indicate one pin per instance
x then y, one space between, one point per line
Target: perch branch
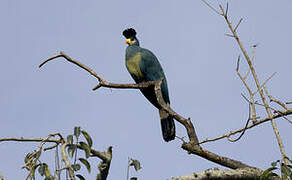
192 146
102 82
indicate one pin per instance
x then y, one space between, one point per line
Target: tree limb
238 174
192 146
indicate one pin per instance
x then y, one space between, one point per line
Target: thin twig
238 24
229 35
264 83
242 133
282 113
272 99
252 60
275 111
211 7
251 95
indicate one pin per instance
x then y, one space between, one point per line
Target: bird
144 66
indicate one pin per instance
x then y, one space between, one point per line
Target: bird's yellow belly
133 66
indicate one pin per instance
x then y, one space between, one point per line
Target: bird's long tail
167 125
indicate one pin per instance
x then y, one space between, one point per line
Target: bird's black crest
128 33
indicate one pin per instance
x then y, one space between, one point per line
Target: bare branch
279 140
280 114
252 59
226 11
272 99
229 35
29 140
264 83
238 24
249 118
224 161
211 7
102 82
251 95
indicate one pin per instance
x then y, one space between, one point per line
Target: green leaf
86 164
47 172
71 150
70 139
136 164
267 173
80 177
42 169
286 170
76 167
274 164
33 172
77 132
86 149
87 137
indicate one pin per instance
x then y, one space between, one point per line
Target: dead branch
272 99
278 115
193 145
238 174
255 77
251 95
102 82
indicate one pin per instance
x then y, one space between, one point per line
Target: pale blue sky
198 59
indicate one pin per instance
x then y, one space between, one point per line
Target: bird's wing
152 70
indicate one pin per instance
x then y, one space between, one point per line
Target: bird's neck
132 50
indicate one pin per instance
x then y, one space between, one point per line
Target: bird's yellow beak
128 41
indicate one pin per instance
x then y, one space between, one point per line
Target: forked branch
193 145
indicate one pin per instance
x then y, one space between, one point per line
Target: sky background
198 60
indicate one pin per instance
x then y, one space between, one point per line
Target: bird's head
130 35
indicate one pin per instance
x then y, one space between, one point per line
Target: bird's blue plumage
144 66
150 69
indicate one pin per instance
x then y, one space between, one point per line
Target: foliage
285 169
33 162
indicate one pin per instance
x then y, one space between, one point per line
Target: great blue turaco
144 66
